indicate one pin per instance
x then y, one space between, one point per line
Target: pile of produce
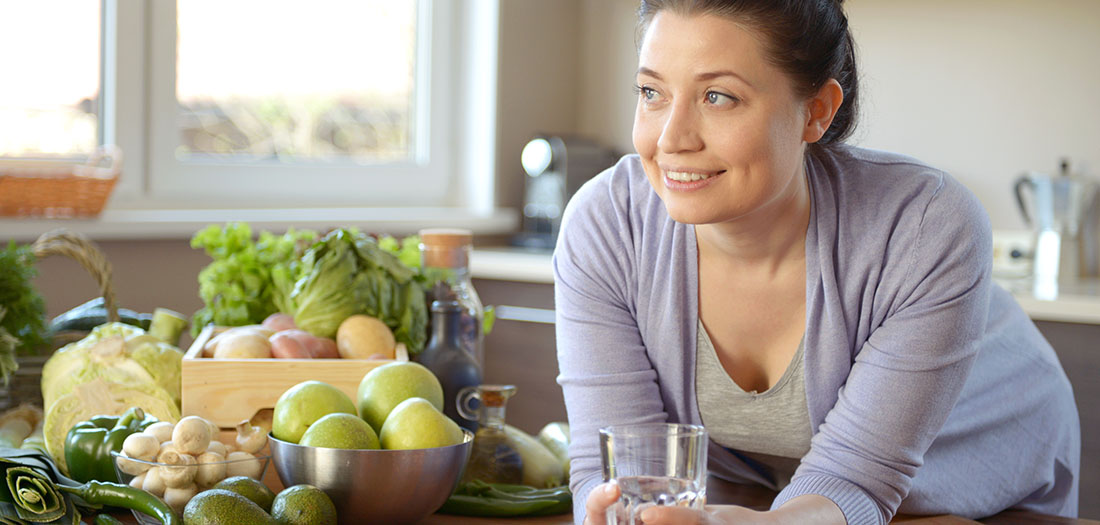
177 462
359 336
317 282
114 368
35 491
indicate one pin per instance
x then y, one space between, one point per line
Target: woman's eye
720 99
649 94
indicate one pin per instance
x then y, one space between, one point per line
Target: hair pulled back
809 40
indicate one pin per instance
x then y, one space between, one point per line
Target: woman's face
719 129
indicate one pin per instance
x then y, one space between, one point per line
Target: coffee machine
1065 215
556 167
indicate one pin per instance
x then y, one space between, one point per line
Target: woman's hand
713 515
601 497
606 495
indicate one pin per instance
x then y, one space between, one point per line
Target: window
265 104
49 99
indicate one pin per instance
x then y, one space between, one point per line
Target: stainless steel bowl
375 486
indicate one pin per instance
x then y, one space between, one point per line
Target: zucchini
541 468
92 314
555 436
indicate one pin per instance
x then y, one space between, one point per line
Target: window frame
455 171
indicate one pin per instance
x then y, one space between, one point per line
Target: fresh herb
407 249
237 286
22 310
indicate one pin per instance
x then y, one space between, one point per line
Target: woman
825 311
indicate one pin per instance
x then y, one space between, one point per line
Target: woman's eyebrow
709 75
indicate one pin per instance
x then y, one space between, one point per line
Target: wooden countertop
756 497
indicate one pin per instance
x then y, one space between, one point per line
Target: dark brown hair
807 39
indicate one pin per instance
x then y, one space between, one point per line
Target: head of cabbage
114 368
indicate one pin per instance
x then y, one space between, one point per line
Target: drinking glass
654 464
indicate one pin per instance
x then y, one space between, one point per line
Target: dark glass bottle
447 358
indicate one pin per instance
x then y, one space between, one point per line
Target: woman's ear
821 109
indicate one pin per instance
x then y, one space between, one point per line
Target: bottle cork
445 247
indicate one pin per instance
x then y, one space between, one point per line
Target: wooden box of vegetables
342 305
229 390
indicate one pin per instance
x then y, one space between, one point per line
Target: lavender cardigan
929 389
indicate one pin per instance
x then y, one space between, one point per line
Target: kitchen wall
984 89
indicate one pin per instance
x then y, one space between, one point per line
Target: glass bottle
446 357
493 458
444 259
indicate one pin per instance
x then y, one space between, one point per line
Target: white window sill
182 224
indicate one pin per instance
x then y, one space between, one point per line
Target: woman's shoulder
618 196
875 183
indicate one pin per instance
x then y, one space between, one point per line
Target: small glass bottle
445 258
493 458
446 357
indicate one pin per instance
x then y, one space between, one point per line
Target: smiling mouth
689 176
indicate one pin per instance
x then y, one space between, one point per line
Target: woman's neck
766 239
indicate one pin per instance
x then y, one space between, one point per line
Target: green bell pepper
88 444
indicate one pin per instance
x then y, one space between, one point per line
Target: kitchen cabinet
1078 348
523 353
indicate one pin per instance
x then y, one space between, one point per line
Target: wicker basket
25 384
59 189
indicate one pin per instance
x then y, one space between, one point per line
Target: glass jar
493 458
444 259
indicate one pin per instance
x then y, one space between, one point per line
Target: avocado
303 505
223 507
251 488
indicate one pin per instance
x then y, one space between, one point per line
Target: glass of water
654 464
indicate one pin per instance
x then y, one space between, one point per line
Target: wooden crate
227 391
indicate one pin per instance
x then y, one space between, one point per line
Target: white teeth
683 176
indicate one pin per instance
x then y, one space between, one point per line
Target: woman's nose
680 131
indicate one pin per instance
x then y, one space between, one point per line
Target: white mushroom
250 438
243 464
191 435
177 497
162 430
178 470
166 446
217 447
132 467
141 446
211 469
154 484
138 481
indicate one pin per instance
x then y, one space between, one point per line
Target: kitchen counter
1071 303
755 497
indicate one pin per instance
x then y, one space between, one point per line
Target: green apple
385 387
415 423
304 403
340 430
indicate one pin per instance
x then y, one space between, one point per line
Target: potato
326 349
279 322
288 344
243 345
211 346
361 336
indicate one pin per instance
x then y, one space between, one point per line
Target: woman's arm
605 374
809 508
908 374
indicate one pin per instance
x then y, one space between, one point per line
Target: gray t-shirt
771 429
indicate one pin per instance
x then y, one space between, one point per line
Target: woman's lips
689 180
